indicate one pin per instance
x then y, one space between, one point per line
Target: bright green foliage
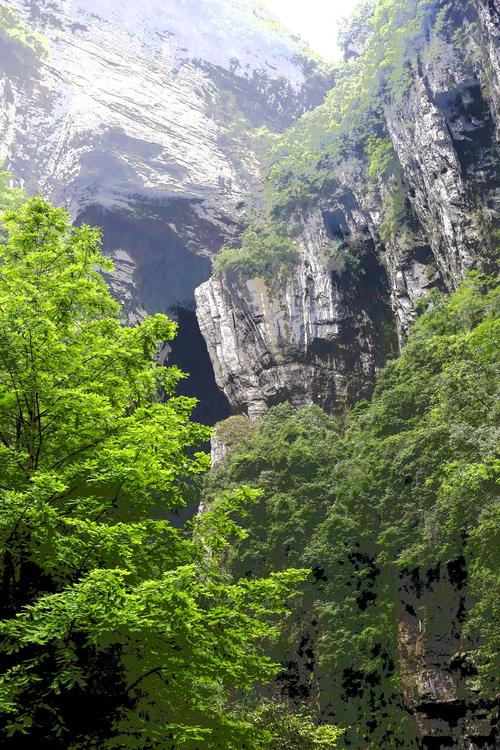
347 134
411 485
263 251
382 160
117 629
294 730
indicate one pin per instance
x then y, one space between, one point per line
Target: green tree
289 729
264 250
117 629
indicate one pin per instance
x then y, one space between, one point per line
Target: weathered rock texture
314 335
319 335
489 14
137 115
439 677
139 118
132 99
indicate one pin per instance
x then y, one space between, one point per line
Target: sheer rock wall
320 333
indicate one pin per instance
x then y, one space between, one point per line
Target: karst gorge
249 377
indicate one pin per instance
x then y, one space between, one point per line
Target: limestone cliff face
314 335
317 335
137 116
128 99
489 14
142 110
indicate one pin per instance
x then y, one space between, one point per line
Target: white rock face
140 116
123 105
489 14
139 119
309 336
442 200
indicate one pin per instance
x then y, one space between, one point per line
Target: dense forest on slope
396 514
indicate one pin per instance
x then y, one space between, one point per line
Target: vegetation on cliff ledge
346 139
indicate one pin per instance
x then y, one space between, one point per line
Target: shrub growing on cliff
116 629
263 251
15 29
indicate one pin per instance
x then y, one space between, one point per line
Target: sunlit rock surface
138 116
131 98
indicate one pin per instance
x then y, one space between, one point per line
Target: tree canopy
117 629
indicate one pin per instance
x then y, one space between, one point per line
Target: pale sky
315 20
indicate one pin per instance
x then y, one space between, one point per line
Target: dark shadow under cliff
156 272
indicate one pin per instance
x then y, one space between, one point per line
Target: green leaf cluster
263 250
14 28
289 729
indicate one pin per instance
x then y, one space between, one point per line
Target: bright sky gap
316 21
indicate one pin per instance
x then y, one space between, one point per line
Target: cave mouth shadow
164 275
190 354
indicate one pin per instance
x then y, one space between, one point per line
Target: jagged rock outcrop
313 335
489 15
444 138
138 116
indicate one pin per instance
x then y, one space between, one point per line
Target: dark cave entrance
164 279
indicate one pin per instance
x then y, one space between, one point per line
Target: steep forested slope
397 632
